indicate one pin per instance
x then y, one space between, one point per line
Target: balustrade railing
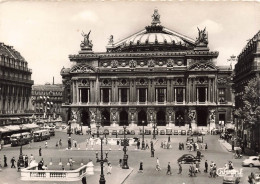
32 174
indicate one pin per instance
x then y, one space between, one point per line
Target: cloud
212 27
86 16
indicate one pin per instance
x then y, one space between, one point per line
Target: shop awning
3 129
31 125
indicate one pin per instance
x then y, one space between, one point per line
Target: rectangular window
161 94
179 94
222 94
105 95
201 94
123 94
142 94
84 95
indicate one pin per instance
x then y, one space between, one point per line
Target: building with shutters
153 76
15 87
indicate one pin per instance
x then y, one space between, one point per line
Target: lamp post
125 164
81 128
21 148
98 126
69 132
154 127
143 144
102 179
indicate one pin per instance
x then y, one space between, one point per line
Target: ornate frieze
160 81
132 63
142 81
82 68
114 64
151 63
170 62
105 82
123 82
83 82
202 80
202 66
222 81
179 81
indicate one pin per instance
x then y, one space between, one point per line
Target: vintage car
121 132
231 178
147 132
252 161
188 159
106 132
183 132
114 132
175 132
162 132
132 132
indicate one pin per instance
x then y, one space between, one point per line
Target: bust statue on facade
111 40
86 44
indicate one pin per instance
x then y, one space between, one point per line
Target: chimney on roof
53 80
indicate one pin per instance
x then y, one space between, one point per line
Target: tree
250 111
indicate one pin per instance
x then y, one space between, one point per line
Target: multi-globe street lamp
143 144
21 162
102 179
125 159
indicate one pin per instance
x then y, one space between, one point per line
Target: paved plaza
216 152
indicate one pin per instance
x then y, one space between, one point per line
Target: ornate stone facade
158 78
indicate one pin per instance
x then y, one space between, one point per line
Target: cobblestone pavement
216 153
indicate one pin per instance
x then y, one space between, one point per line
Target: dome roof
153 37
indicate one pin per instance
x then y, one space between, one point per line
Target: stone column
175 96
101 96
183 95
128 96
137 101
119 91
146 93
88 95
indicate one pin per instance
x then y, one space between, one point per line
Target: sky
46 33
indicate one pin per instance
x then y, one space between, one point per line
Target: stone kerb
32 174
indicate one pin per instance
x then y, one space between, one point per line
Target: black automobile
196 133
188 159
162 132
132 132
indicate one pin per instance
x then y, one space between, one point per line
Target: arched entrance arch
160 118
179 118
202 116
85 118
105 118
142 116
123 118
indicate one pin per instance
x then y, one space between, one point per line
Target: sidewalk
227 146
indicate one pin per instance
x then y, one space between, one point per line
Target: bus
51 130
41 135
20 138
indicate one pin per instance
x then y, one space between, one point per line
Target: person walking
84 180
26 161
169 170
197 167
109 168
5 161
152 152
158 168
40 151
206 166
46 144
146 145
141 169
12 162
180 168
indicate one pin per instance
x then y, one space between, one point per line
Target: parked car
127 132
179 132
183 132
188 159
231 178
156 132
147 132
189 132
168 131
132 132
121 132
106 132
141 132
162 132
175 132
252 161
114 132
196 133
